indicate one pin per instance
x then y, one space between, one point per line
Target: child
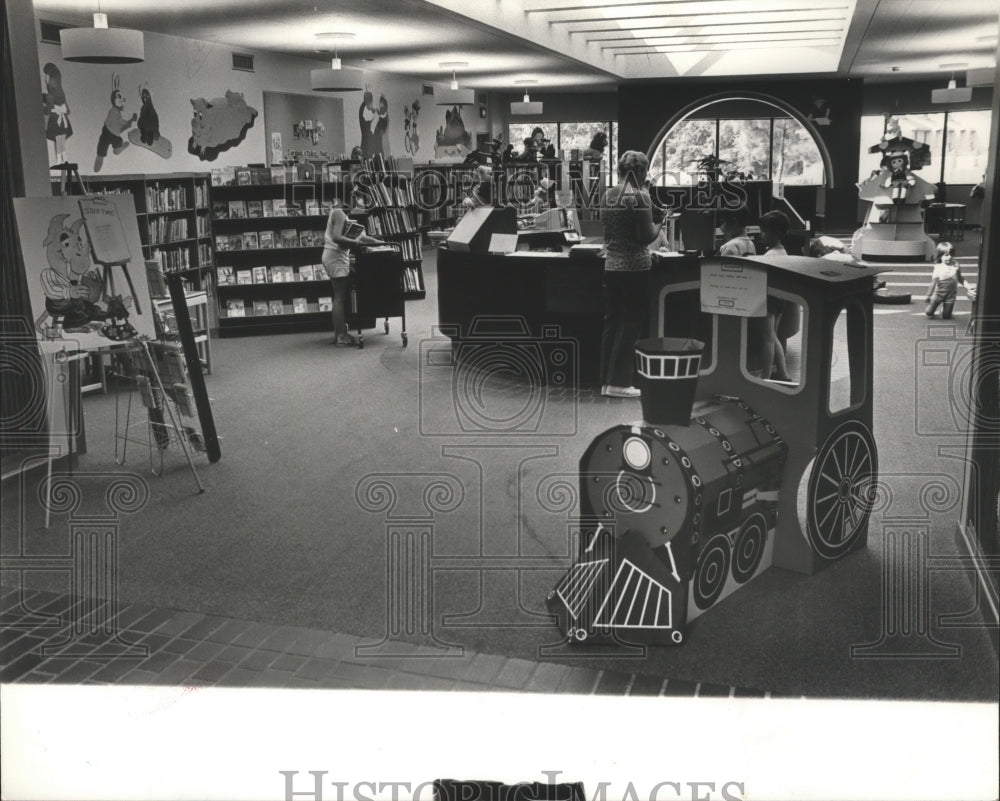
773 229
944 282
733 224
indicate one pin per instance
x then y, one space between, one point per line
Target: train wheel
839 489
712 571
749 548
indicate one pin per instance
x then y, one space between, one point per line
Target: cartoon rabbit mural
115 124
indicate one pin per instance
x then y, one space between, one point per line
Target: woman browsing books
340 236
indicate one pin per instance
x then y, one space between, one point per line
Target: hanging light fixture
336 77
453 96
953 93
101 44
526 106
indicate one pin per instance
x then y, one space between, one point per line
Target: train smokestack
668 377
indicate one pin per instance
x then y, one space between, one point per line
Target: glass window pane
872 128
773 347
578 135
676 157
968 146
745 144
797 160
929 129
517 132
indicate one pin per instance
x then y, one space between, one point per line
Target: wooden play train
708 491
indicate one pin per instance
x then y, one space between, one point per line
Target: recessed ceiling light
895 69
335 35
955 65
368 59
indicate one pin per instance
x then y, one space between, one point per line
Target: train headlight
636 452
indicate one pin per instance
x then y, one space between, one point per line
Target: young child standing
944 282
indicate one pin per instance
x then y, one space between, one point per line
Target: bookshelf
436 191
269 224
386 204
175 223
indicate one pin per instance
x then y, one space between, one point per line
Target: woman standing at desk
626 211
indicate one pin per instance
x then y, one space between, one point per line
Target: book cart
377 289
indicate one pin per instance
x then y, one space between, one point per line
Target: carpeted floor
332 457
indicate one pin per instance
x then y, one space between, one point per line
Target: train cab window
681 317
846 386
773 346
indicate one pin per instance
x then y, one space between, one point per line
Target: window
968 140
779 149
776 343
959 143
846 380
567 136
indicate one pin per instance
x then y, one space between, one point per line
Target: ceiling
584 44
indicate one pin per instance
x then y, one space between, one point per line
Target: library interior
561 347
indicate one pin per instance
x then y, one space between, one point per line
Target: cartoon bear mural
219 124
147 131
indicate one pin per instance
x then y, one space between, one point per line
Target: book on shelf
222 242
299 306
259 275
307 239
243 176
326 303
237 209
319 273
275 307
266 240
220 210
236 308
289 238
244 277
260 175
255 208
236 242
216 176
306 272
278 175
282 208
267 208
260 308
312 207
225 276
228 176
281 274
250 240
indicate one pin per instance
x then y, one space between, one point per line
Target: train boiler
730 471
681 505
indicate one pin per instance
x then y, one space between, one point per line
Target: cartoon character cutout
374 124
71 284
56 110
411 135
899 178
115 124
147 131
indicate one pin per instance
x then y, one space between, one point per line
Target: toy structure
894 229
728 473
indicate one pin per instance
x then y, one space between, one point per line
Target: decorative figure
57 125
819 114
71 284
115 125
219 124
895 228
597 145
452 140
147 131
411 136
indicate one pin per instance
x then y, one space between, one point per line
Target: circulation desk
528 294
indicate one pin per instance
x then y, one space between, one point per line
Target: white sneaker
621 392
345 339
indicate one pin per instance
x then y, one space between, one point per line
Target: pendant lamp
453 95
101 44
526 106
954 93
335 78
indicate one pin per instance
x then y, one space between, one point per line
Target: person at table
733 223
626 211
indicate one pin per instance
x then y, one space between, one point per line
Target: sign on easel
67 243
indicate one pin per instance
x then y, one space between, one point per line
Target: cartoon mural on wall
219 124
373 123
411 136
115 124
56 110
147 132
452 140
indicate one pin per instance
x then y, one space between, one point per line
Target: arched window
752 138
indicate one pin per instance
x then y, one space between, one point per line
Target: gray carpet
292 527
